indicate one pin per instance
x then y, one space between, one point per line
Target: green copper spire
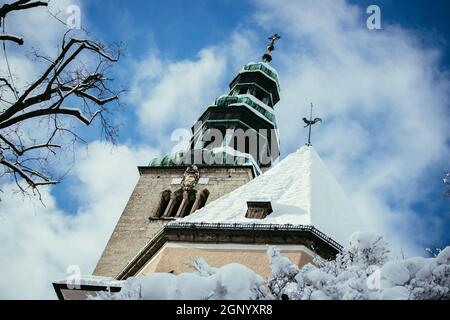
240 127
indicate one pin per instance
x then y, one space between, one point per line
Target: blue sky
384 97
179 29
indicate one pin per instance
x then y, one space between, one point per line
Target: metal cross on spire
310 123
267 57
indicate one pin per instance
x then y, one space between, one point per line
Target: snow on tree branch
16 6
11 37
39 122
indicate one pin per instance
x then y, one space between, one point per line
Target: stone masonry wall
134 229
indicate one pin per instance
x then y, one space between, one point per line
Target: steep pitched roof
302 191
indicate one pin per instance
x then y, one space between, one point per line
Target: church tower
233 141
222 199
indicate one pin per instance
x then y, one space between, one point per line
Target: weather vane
310 123
267 57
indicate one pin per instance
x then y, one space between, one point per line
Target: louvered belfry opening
163 203
180 203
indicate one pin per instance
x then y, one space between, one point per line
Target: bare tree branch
7 84
16 6
16 169
20 5
21 152
45 112
66 79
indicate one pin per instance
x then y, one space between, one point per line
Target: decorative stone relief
190 178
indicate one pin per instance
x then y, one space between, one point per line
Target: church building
226 198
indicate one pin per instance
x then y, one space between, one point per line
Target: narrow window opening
178 198
163 203
259 95
191 201
247 145
204 194
235 143
207 143
199 202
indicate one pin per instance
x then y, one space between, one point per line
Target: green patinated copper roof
178 159
227 100
164 161
222 156
264 68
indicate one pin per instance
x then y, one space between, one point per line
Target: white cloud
173 94
182 90
38 244
383 100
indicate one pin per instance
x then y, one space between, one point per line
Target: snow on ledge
90 280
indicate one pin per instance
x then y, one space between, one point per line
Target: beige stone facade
176 257
135 228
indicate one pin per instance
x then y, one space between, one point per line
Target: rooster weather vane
309 123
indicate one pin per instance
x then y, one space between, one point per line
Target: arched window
163 203
180 203
185 208
208 143
177 198
247 145
200 200
204 194
213 137
235 143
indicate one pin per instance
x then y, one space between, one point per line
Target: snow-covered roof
302 191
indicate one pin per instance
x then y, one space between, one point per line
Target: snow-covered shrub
362 271
367 249
429 278
346 277
283 274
